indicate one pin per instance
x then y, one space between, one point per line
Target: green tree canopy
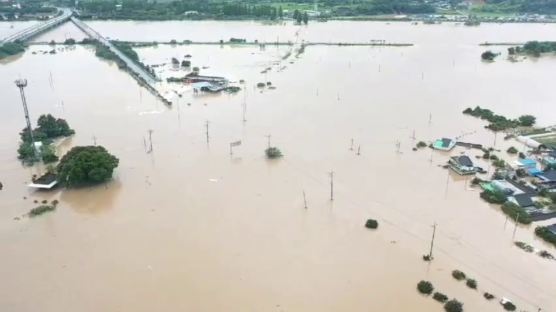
84 165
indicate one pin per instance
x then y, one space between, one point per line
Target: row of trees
535 48
499 122
521 6
145 10
11 48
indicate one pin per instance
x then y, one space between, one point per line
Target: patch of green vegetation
421 144
273 152
498 122
459 275
48 128
453 306
512 150
11 48
508 306
371 224
86 165
516 213
518 6
440 297
494 197
489 56
524 246
245 9
488 296
471 283
37 211
425 287
544 233
534 48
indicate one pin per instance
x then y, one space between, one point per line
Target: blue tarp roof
528 162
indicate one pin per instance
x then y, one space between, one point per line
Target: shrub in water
459 275
40 210
273 152
453 306
512 150
508 306
425 287
471 283
440 297
371 224
488 296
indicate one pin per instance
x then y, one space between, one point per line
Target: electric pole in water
151 140
432 240
21 84
268 136
331 173
207 131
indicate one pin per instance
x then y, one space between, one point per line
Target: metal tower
21 84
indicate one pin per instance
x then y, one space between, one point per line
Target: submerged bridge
38 29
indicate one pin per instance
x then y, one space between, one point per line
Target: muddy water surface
190 227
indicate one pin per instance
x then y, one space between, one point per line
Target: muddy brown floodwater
191 228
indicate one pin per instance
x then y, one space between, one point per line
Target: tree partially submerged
425 287
453 306
371 224
273 152
86 165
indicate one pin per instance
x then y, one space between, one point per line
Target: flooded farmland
191 227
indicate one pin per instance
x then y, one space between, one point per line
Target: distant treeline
231 9
535 48
9 11
520 6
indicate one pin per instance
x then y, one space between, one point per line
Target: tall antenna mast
21 84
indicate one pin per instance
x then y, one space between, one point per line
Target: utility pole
151 140
331 173
351 147
432 240
207 130
515 227
244 104
21 84
359 150
268 136
304 199
94 140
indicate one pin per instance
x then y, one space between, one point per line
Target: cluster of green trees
146 10
520 6
26 8
48 128
535 48
11 48
488 55
273 152
516 213
498 122
426 288
86 165
301 17
238 9
377 7
544 233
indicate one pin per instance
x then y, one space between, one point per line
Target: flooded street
190 227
